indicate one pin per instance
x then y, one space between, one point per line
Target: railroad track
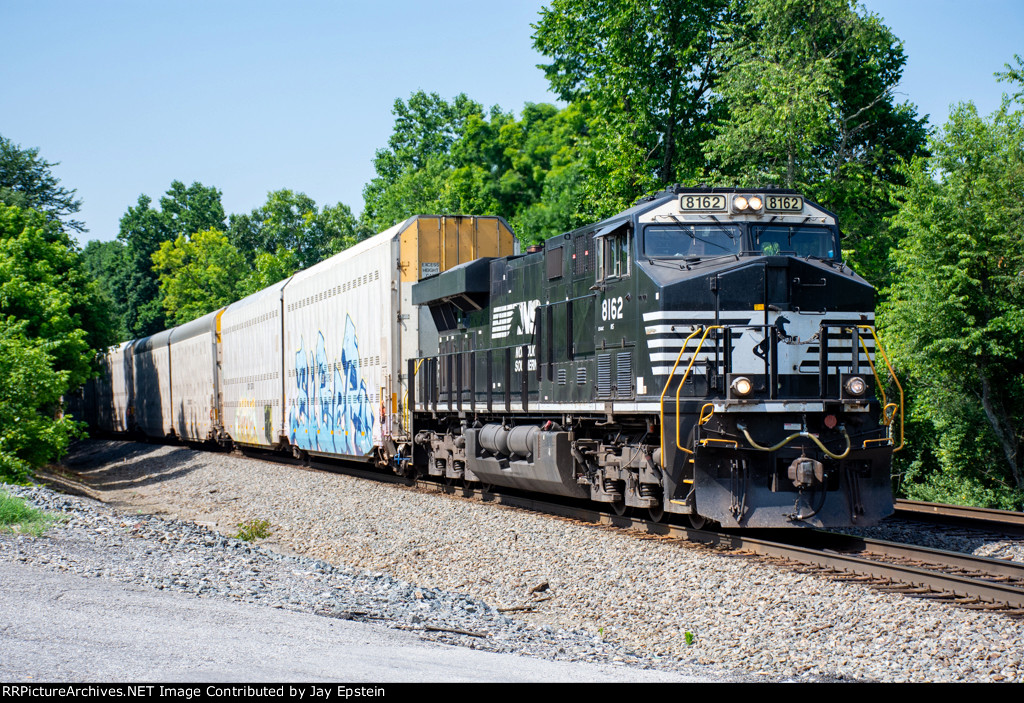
980 583
1005 522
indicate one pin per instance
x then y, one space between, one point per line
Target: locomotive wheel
619 506
697 522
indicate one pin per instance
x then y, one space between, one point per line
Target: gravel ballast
529 583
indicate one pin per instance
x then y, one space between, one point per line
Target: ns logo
512 320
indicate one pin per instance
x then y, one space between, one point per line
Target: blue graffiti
332 412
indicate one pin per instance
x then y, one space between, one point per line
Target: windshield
801 240
685 240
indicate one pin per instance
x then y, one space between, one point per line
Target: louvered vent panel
604 375
561 377
624 374
581 375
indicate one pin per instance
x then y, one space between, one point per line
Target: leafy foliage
32 427
45 291
411 171
52 320
177 262
486 164
183 211
26 182
956 311
291 221
104 262
198 274
807 89
268 270
1014 74
648 70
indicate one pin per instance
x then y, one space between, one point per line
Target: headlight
755 202
855 385
740 203
742 386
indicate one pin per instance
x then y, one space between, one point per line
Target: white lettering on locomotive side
612 308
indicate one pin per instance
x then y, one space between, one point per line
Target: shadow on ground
99 466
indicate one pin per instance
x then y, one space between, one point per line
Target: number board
703 203
784 203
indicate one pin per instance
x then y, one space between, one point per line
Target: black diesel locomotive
704 353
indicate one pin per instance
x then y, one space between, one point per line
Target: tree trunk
1002 427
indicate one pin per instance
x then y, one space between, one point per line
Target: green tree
412 170
53 320
104 261
807 90
26 181
956 309
33 430
183 211
198 274
1014 74
268 269
492 163
649 70
292 221
45 290
192 209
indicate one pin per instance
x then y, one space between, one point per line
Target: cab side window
614 254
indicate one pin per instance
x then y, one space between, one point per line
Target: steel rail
936 584
985 518
940 557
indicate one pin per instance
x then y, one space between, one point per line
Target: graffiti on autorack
333 411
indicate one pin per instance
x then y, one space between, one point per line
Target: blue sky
254 96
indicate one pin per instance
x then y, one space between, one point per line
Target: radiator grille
624 375
604 375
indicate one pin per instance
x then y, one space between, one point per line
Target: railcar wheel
619 506
656 512
697 522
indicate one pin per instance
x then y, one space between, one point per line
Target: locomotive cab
772 408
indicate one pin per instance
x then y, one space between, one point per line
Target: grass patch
252 530
19 517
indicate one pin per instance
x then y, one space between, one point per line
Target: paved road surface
56 626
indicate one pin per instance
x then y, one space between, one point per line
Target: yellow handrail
878 381
679 388
886 416
892 374
665 390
